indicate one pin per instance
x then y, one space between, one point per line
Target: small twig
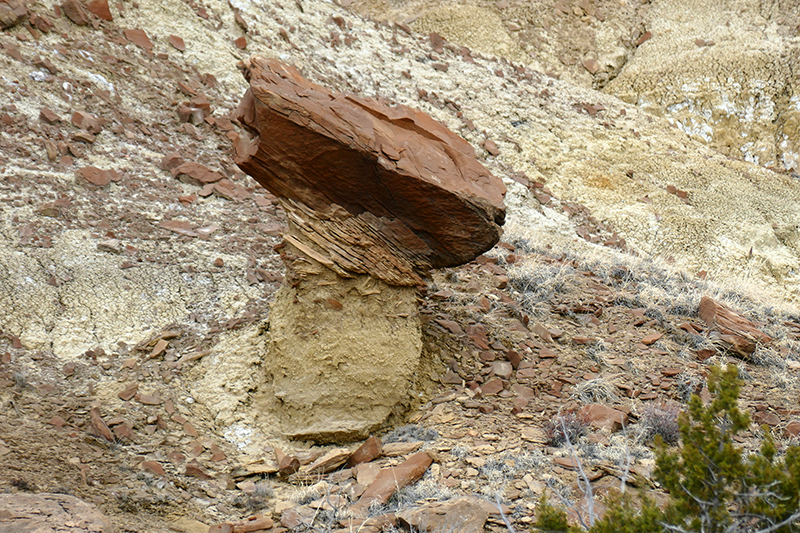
502 514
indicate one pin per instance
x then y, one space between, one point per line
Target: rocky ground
137 268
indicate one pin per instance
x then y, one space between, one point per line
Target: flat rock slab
369 188
462 515
46 513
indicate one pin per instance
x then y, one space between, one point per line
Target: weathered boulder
369 188
46 513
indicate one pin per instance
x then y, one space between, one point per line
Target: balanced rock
375 197
369 188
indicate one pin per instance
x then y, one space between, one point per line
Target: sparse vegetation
570 424
411 433
712 486
662 419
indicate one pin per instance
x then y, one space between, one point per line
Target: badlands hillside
650 150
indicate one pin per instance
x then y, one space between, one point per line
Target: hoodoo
376 196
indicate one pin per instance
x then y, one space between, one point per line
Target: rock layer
342 353
371 189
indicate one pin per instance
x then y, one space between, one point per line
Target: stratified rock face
43 513
370 189
342 353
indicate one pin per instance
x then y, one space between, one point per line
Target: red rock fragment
177 43
95 176
652 338
48 116
241 43
392 479
100 9
99 425
644 38
492 387
148 399
592 66
189 429
194 469
154 467
128 392
196 174
793 428
728 326
287 464
12 12
87 121
369 451
178 226
491 147
74 11
139 38
603 417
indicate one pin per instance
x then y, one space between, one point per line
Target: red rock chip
100 9
74 11
178 226
491 147
195 470
177 43
196 174
128 392
95 176
650 339
139 38
241 43
48 116
154 467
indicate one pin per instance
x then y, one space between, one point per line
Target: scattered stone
128 392
196 174
12 12
651 339
99 425
369 451
241 43
603 417
728 326
392 479
153 467
491 147
793 428
46 114
492 387
287 464
45 512
113 246
94 175
177 43
74 11
328 462
138 37
396 449
100 9
460 515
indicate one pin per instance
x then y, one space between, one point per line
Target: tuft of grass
595 391
662 419
411 433
575 424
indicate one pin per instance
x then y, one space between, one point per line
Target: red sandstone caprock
369 188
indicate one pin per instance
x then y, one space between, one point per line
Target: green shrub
712 486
